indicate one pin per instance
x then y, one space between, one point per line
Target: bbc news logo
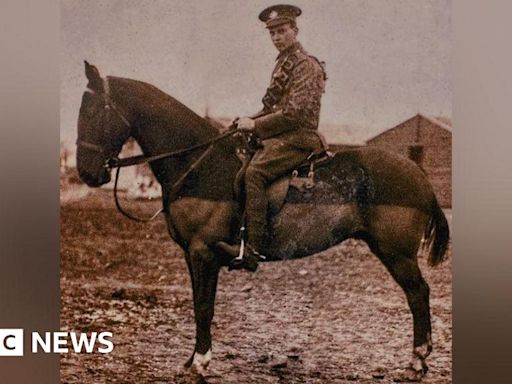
12 341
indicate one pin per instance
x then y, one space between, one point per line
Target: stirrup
247 259
242 252
242 249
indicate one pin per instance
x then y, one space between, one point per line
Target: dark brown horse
367 193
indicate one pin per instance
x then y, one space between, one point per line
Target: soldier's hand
245 124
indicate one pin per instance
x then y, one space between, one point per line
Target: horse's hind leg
396 242
407 274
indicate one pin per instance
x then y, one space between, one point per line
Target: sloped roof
442 122
434 120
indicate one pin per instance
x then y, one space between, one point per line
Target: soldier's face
283 36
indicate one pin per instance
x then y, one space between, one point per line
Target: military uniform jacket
292 103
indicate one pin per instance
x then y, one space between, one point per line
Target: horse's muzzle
103 177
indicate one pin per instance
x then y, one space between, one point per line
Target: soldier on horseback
287 125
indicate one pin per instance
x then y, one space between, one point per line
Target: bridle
115 162
108 104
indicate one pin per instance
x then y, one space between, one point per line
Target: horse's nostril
104 177
84 177
88 179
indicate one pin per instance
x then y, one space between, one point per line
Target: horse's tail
437 235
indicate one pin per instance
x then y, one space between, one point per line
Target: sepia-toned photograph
256 192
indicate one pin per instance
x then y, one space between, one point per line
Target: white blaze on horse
368 194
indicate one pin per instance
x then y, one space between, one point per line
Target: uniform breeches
275 159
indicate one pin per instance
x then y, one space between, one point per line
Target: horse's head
102 130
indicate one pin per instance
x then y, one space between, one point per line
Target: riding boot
275 159
256 218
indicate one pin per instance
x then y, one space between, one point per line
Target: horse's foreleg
188 363
204 270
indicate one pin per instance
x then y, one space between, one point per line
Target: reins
127 214
115 162
141 159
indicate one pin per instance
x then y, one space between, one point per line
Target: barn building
428 142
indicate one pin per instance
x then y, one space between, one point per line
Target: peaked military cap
279 14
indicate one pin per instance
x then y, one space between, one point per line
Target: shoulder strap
279 81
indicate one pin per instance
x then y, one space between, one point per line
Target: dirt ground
336 317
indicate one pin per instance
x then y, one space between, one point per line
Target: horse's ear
93 75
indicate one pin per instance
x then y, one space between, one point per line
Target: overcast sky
386 59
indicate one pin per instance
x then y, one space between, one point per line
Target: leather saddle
301 178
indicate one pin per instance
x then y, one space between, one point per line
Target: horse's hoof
201 380
187 376
408 375
200 362
424 367
188 363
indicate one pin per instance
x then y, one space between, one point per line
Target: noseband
91 146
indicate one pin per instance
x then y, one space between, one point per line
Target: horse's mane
162 124
160 104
